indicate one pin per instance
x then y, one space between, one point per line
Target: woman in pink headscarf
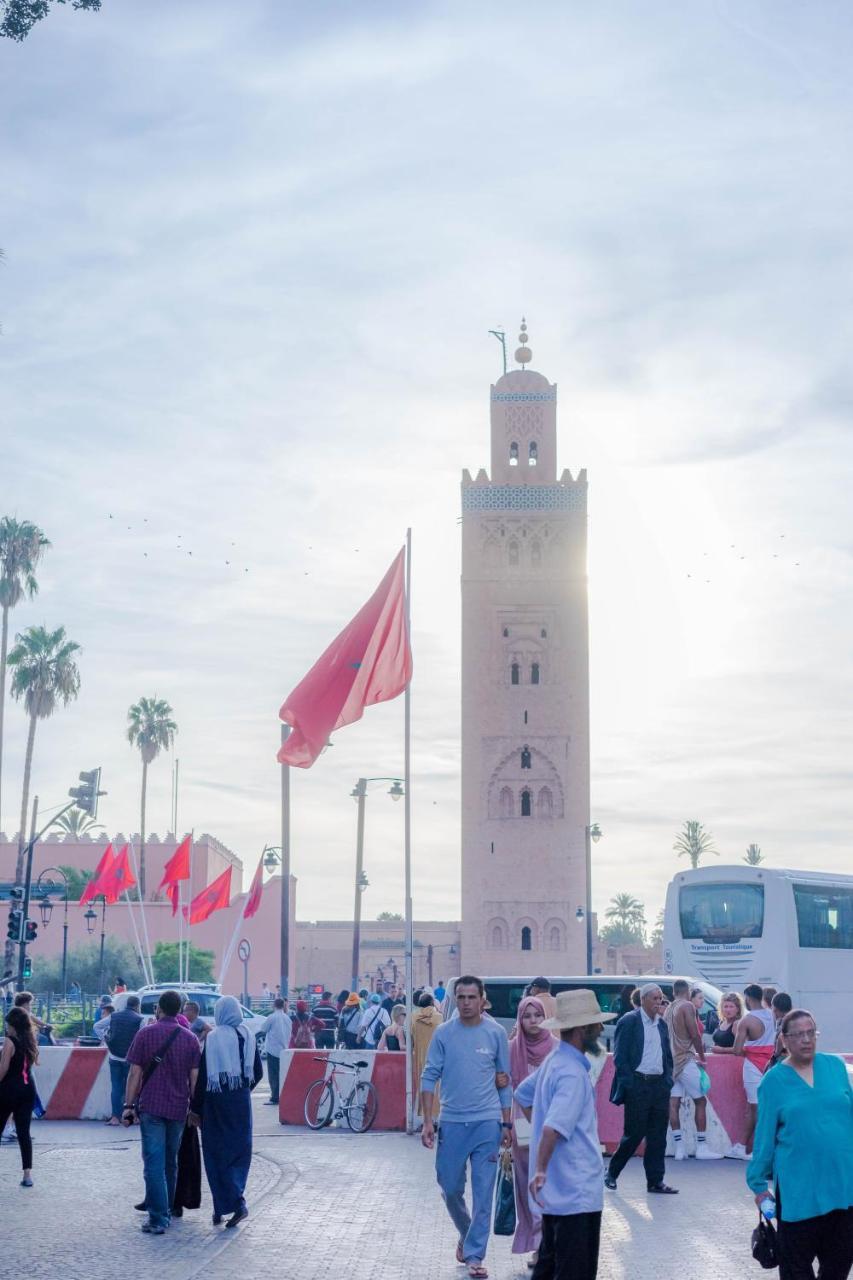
528 1049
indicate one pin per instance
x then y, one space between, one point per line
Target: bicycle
359 1106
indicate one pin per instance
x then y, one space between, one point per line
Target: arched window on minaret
525 757
512 551
497 934
532 453
534 673
515 674
507 802
545 803
513 454
526 809
536 553
526 938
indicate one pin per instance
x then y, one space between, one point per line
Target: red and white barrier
73 1084
299 1068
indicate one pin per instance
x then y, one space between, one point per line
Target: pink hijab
526 1054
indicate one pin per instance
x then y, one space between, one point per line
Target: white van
205 994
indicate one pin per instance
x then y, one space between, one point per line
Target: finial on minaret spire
523 353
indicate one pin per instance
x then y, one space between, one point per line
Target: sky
252 255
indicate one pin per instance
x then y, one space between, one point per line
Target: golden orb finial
523 353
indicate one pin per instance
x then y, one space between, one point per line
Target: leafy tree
656 936
76 823
627 917
20 16
165 962
150 727
84 965
753 855
693 841
22 545
389 915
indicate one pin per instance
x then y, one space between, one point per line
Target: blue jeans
160 1142
118 1079
273 1064
459 1142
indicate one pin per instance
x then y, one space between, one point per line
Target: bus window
504 999
824 915
721 912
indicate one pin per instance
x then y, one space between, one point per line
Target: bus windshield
721 912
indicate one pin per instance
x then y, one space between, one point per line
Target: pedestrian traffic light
85 797
16 919
31 931
28 969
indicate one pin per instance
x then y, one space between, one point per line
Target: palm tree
151 728
627 917
694 841
76 823
44 673
753 855
22 545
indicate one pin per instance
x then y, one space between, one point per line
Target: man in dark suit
642 1079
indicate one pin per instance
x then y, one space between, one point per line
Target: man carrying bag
164 1062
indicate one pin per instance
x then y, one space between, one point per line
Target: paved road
365 1207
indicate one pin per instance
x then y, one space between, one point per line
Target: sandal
459 1254
477 1271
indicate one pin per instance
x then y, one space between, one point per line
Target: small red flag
178 866
216 896
92 890
118 878
370 661
253 901
173 893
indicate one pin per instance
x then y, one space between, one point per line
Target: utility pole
360 794
284 959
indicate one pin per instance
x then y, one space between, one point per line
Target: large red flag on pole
92 889
175 870
216 896
370 661
118 878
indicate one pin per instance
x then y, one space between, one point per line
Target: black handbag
765 1247
504 1197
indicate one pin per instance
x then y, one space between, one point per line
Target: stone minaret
525 693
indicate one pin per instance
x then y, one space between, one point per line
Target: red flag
92 891
370 661
256 888
173 893
216 896
178 866
118 878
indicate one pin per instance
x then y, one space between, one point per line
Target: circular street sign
244 949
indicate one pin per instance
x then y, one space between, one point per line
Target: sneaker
153 1229
704 1152
738 1152
609 1182
680 1153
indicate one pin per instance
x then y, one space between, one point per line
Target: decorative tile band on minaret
525 692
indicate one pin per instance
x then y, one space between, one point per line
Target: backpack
302 1038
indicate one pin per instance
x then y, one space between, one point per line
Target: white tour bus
792 930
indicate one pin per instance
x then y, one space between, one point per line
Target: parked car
205 994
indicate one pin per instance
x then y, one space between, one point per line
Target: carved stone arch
522 926
545 803
497 934
542 773
554 934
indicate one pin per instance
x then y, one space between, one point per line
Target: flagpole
284 942
407 802
142 913
139 950
189 921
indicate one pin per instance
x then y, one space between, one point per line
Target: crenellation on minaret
525 692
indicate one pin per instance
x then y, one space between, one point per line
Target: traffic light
31 931
85 797
16 914
28 969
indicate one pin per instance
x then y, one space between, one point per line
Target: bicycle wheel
319 1104
362 1108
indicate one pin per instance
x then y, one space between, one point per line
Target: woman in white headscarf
222 1105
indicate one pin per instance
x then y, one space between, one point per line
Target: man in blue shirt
565 1152
470 1056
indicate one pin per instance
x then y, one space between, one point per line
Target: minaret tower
525 693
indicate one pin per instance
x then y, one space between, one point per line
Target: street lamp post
46 907
284 944
103 935
593 834
359 794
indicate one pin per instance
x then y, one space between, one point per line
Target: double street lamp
45 886
359 794
593 835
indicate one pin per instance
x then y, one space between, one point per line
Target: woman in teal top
804 1146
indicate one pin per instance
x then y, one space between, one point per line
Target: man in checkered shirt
162 1103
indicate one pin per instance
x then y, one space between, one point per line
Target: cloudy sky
252 253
